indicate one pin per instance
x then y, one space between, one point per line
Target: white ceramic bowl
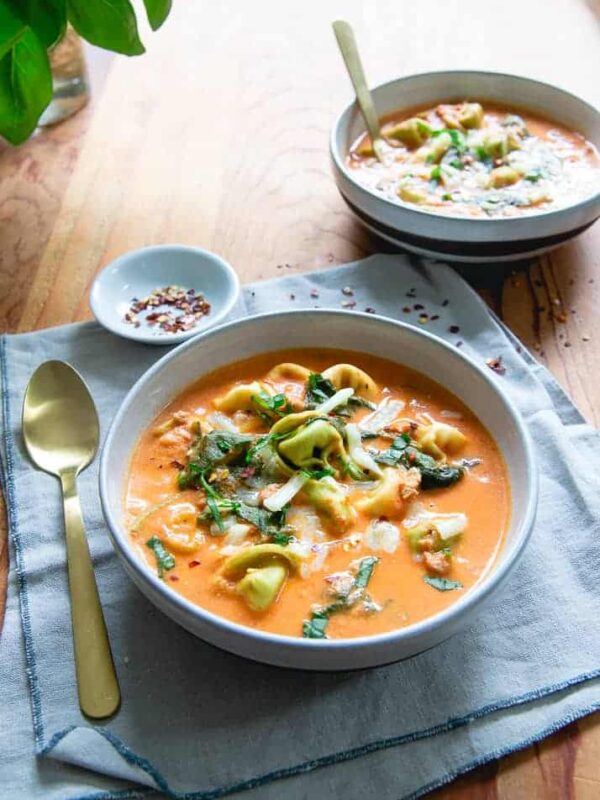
138 272
312 329
456 238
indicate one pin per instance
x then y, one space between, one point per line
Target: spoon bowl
61 433
60 423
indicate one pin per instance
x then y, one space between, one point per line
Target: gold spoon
61 432
349 50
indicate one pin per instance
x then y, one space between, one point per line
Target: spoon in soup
349 50
61 433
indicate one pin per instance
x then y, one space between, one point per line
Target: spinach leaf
271 524
164 559
433 475
442 584
211 449
318 389
315 627
393 456
263 441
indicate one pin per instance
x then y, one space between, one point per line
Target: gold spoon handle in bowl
97 683
349 50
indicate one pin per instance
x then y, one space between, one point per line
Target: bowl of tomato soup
344 502
472 166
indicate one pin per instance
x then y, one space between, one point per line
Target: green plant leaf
25 87
46 18
110 24
11 28
157 11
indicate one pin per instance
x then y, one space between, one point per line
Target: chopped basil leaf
212 449
436 174
277 404
318 389
458 138
365 570
164 559
317 474
534 176
442 584
315 627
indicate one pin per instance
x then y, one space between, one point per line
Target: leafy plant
28 28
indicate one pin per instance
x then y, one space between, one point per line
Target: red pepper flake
435 316
176 309
412 455
314 293
370 310
567 344
418 306
177 464
194 563
496 365
173 578
454 329
348 304
407 309
348 290
561 316
247 472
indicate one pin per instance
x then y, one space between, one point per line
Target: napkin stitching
492 755
340 756
31 666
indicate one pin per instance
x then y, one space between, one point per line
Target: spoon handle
349 50
97 684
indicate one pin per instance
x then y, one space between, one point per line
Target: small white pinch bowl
137 273
476 386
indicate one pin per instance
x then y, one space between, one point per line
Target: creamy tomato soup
324 494
477 160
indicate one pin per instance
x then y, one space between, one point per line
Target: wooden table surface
218 137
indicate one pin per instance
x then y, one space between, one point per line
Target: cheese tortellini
239 398
288 371
260 573
347 376
439 439
385 500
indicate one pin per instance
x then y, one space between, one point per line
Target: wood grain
218 137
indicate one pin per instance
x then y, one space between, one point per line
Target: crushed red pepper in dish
172 309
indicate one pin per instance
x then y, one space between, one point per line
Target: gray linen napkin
199 723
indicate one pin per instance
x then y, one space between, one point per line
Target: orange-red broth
397 583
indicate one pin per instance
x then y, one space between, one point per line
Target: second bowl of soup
472 165
318 507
